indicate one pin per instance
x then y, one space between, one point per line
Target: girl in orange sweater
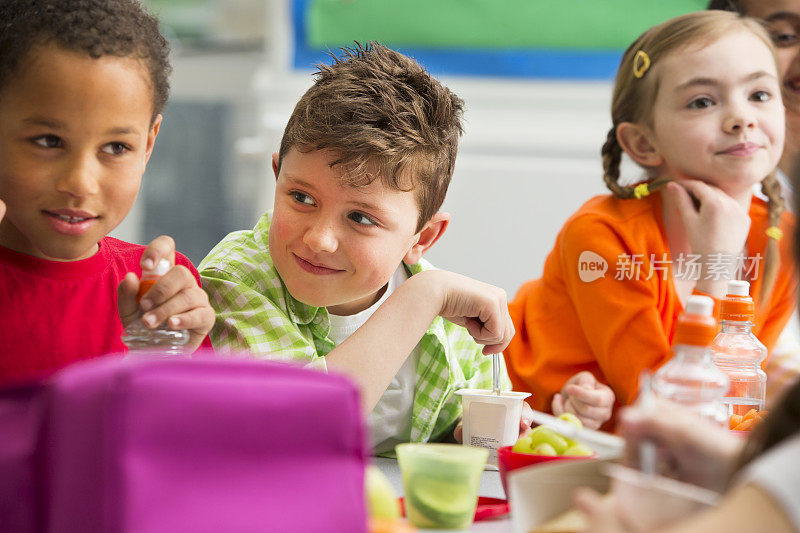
697 104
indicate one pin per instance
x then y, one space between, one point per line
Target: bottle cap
737 306
696 325
161 268
149 277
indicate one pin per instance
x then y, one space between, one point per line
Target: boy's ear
275 165
426 237
151 138
636 142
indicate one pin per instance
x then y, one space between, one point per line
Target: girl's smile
724 126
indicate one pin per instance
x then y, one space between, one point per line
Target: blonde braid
612 157
771 188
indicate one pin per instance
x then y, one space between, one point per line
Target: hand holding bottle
175 299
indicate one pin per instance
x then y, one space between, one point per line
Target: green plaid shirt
256 314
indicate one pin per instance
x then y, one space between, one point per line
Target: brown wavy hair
386 118
633 97
121 28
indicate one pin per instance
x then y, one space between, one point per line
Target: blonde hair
634 95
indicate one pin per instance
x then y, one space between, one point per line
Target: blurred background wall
535 74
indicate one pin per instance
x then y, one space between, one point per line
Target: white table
490 486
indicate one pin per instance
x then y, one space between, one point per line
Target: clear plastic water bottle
139 338
691 378
739 353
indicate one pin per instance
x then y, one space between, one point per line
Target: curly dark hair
121 28
387 118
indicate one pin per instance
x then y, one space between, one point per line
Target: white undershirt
389 422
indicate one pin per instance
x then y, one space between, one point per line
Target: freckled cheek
281 231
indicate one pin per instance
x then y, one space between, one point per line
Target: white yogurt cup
491 420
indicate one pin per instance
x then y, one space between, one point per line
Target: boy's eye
360 218
761 96
702 102
49 141
116 148
303 198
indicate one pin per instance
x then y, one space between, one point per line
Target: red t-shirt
53 313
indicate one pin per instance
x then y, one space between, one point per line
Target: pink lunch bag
153 444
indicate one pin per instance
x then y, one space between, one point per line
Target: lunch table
490 486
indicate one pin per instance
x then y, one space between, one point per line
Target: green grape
536 430
578 449
572 419
544 449
548 436
523 445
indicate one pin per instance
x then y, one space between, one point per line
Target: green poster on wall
560 24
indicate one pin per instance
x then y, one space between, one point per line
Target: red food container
508 460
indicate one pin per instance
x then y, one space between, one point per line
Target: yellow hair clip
641 62
641 190
774 232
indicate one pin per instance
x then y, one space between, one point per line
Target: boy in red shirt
82 84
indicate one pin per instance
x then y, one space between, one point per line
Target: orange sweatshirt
615 326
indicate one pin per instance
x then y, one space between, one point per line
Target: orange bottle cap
144 286
737 305
696 325
149 277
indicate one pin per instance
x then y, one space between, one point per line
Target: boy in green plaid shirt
333 276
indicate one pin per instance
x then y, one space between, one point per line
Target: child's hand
175 298
715 223
689 449
601 513
525 419
586 398
481 308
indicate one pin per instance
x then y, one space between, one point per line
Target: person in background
760 478
697 104
82 85
782 20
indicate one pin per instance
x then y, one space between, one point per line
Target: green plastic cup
441 483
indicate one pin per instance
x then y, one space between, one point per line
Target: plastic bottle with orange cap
739 353
160 339
691 378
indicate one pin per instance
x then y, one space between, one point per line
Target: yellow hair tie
641 190
641 62
774 232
